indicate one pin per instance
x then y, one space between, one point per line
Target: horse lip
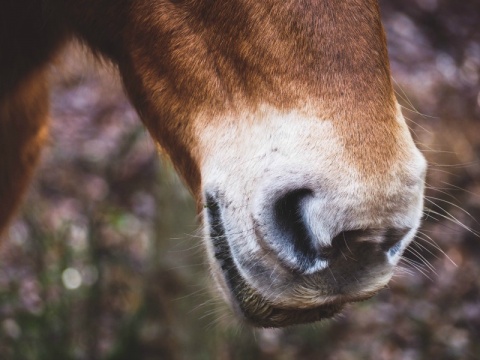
254 308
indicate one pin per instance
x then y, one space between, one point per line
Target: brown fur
184 56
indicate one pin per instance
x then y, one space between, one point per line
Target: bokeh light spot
71 278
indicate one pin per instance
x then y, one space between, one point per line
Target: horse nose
295 239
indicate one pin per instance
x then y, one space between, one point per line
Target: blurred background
105 262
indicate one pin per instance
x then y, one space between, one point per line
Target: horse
280 116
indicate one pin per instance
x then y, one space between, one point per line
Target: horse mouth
254 308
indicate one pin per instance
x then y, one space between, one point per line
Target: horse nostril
294 237
294 232
392 240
